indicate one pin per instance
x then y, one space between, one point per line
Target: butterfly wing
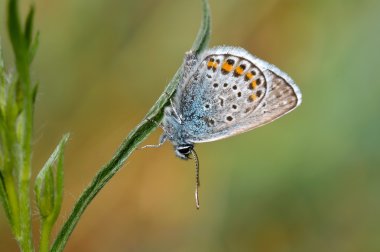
231 91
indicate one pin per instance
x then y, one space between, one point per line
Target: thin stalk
8 179
46 228
25 172
11 192
26 242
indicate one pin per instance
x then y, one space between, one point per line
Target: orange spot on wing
253 84
249 75
252 97
227 67
239 70
212 65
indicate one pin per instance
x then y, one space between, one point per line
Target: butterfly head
183 151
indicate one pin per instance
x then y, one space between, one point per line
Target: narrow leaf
45 193
2 84
4 199
58 196
46 187
34 93
204 33
14 29
29 26
33 48
2 72
19 126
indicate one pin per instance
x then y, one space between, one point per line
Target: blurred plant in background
17 99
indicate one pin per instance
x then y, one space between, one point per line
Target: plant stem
24 181
25 173
10 140
13 203
45 235
26 243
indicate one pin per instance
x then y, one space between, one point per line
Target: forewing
230 92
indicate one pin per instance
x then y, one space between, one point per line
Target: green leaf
2 72
2 85
34 93
19 95
204 33
4 198
19 126
135 137
29 26
49 185
59 181
2 79
33 48
45 192
14 30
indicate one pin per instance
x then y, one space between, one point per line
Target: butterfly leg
178 117
163 139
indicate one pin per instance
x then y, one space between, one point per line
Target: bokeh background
307 182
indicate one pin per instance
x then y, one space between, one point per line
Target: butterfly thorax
176 131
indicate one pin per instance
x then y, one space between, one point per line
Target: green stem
12 157
11 192
46 228
25 172
26 242
26 167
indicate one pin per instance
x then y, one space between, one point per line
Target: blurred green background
307 182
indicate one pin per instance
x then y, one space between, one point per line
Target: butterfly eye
185 150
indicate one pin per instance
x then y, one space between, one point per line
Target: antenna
197 182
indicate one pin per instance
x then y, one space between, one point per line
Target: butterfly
223 92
